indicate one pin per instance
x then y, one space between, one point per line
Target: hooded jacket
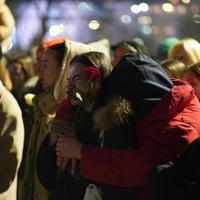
167 121
45 106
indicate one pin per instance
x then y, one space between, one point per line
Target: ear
97 83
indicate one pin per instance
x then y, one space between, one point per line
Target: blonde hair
195 68
186 50
174 68
72 49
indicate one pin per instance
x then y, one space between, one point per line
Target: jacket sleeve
127 168
46 165
131 167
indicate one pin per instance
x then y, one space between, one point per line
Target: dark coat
73 187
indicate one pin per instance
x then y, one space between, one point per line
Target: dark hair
96 59
59 50
131 46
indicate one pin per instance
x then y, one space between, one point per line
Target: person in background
7 23
53 75
86 73
192 75
126 47
11 143
164 47
187 50
173 68
166 122
19 75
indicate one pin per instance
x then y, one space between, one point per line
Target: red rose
92 72
64 111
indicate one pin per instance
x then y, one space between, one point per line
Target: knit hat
165 46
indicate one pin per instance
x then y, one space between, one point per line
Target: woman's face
17 74
79 82
48 69
194 80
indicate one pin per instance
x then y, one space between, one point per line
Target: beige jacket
11 144
45 105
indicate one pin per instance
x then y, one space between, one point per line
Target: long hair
186 50
96 59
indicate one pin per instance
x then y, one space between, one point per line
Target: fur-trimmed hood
117 111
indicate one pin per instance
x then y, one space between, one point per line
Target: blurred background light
186 1
90 20
168 7
144 20
143 7
94 24
84 6
135 9
55 30
196 18
126 19
147 30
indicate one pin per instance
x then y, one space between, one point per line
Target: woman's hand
53 138
68 147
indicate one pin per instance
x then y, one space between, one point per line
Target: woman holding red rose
144 119
85 76
55 56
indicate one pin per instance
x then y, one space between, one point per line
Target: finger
65 161
73 167
59 159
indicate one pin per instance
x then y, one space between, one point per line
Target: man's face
119 52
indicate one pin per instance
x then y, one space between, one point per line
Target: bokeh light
94 24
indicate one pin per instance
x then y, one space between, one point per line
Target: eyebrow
76 75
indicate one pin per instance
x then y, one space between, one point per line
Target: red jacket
163 134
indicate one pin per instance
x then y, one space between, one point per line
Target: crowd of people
94 122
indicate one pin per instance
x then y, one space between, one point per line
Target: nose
70 84
40 71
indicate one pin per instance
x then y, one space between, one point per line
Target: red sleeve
131 167
127 168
